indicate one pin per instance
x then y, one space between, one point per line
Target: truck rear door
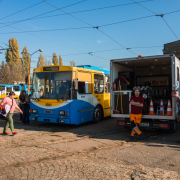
175 81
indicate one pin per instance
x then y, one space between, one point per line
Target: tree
46 61
12 54
41 61
3 64
8 56
26 61
55 59
60 61
72 63
49 62
10 73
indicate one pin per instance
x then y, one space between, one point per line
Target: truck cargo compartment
154 76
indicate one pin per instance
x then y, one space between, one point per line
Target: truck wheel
97 114
173 127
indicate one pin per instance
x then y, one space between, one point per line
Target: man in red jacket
137 103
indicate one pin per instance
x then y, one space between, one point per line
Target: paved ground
89 151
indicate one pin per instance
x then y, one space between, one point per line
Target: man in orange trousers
137 103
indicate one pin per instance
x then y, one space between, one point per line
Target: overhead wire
161 15
90 25
21 10
104 25
45 13
170 28
3 43
40 37
106 35
49 40
50 30
143 6
108 50
82 11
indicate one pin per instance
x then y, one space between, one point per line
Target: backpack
5 110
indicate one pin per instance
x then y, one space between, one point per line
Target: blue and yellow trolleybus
70 95
5 89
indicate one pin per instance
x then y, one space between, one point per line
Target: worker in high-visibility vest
137 103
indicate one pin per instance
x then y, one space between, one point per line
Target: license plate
47 120
144 124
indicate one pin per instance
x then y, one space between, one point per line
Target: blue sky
66 28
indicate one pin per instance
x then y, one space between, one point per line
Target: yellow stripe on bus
2 95
49 102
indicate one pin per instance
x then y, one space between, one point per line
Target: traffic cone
169 110
151 109
161 111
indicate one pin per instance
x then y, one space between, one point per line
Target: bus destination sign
54 68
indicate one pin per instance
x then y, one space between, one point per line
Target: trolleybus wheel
97 114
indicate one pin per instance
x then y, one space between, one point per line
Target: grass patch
43 159
55 135
17 165
172 165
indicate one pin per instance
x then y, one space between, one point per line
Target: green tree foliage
12 54
55 59
41 61
60 61
72 63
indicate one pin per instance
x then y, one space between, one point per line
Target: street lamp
40 50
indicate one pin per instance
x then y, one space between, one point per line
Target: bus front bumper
61 120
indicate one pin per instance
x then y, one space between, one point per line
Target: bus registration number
144 124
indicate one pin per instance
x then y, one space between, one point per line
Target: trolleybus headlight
34 111
63 112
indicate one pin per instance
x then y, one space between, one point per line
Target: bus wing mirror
75 82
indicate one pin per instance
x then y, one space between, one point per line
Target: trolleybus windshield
55 85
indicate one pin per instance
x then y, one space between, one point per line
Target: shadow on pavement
106 129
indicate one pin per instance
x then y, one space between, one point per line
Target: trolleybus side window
84 87
2 88
84 82
16 88
98 83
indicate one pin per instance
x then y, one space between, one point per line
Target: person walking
9 119
137 103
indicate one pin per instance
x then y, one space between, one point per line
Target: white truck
156 77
